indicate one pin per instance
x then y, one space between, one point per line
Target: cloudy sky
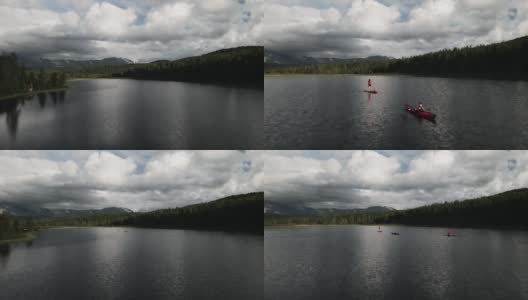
138 180
359 28
140 30
399 179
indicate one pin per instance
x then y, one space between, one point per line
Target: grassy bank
28 236
25 94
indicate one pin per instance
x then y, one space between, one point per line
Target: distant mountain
277 58
275 208
504 210
504 60
37 63
21 210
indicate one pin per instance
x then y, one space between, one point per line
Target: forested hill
14 78
506 60
239 212
242 65
502 210
507 209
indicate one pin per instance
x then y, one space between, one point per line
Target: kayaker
369 85
420 107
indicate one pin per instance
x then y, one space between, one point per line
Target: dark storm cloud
140 30
133 179
400 179
41 46
395 28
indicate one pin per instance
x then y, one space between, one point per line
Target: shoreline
17 95
29 236
443 76
403 225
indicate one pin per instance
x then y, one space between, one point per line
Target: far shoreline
25 94
402 225
28 236
443 76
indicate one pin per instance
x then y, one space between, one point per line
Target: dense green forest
11 228
502 210
353 67
506 60
242 65
239 212
233 213
98 71
14 78
237 66
342 219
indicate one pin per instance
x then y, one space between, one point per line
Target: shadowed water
134 114
333 112
128 263
357 262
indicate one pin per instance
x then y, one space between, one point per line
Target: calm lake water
357 262
333 112
135 114
127 263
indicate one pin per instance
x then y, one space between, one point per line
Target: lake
333 112
135 114
128 263
357 262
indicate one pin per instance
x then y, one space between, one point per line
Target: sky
137 180
398 179
141 30
148 180
147 30
396 28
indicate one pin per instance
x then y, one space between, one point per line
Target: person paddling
420 107
369 85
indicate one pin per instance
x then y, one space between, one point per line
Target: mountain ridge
272 57
19 210
281 209
37 63
502 210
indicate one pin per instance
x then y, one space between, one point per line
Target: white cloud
400 179
168 167
109 169
168 18
359 28
140 30
104 19
134 179
370 169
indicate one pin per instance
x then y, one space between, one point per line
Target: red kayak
420 113
370 92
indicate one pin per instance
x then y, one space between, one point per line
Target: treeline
13 228
507 209
239 213
14 78
86 220
98 71
506 60
345 219
354 67
242 65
